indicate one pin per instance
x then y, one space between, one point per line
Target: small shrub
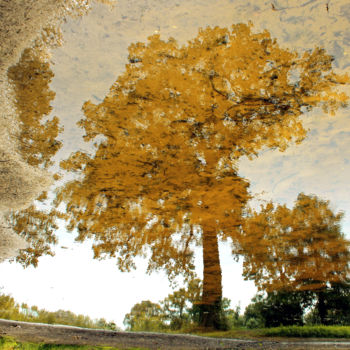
253 323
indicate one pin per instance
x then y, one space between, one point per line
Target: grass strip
308 332
285 331
9 343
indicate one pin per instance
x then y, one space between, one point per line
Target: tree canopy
301 248
277 308
179 308
145 316
164 178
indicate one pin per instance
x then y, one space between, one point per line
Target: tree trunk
210 314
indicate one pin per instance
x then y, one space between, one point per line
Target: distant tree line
180 311
11 310
330 306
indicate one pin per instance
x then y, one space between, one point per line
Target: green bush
253 323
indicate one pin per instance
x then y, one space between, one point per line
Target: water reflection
176 123
31 78
300 257
174 126
37 140
301 248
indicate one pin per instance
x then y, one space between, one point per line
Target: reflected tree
31 78
277 308
145 316
180 307
298 249
333 308
37 140
174 125
37 226
176 311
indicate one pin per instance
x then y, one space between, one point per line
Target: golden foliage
174 125
31 77
298 249
38 228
